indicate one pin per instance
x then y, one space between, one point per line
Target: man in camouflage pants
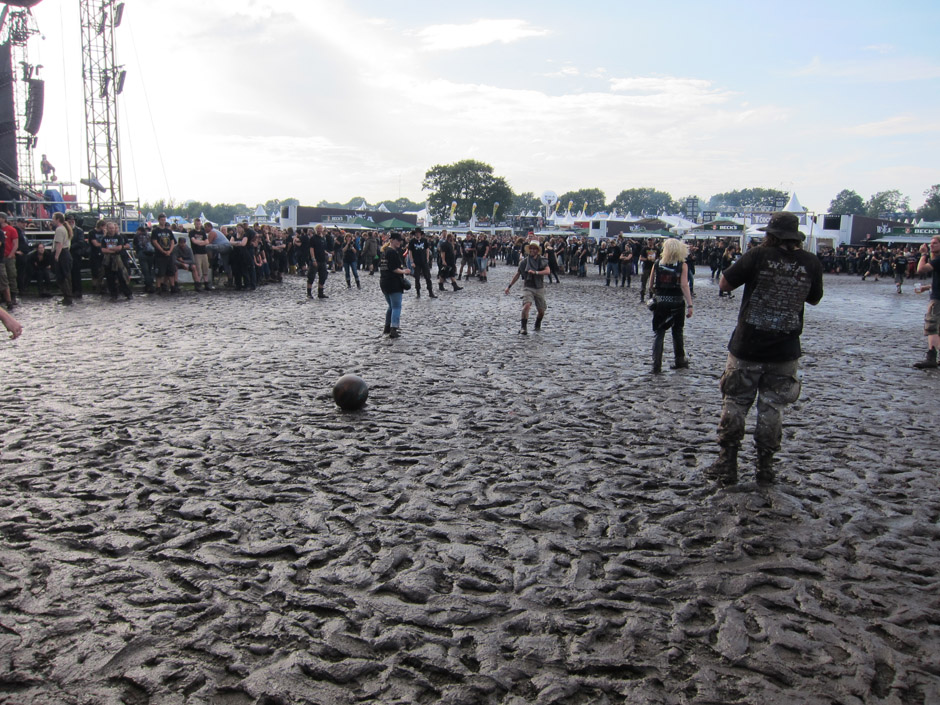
763 360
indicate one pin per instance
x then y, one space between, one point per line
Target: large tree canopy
887 202
525 202
930 211
644 201
847 202
466 182
746 198
594 198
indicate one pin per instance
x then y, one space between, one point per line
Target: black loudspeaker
8 164
34 105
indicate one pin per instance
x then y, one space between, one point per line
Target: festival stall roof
719 227
793 205
396 224
911 234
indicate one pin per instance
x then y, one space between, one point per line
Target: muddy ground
185 516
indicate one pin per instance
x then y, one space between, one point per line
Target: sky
249 100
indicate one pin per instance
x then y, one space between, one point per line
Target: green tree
644 201
594 197
887 202
847 202
525 202
746 198
466 182
401 205
930 211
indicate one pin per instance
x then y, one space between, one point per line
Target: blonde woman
669 285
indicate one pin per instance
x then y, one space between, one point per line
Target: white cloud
887 70
563 72
897 125
444 37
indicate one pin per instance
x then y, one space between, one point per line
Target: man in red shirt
8 270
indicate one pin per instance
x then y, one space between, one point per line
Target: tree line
469 182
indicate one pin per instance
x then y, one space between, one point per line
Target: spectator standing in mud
78 250
764 351
143 249
899 264
113 246
95 257
350 257
61 245
468 250
392 274
929 263
420 249
199 243
164 264
669 286
447 264
370 252
646 264
8 280
533 269
318 264
626 263
222 248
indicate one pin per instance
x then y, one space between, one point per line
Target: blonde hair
674 251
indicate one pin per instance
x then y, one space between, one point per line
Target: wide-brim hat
395 236
535 243
784 226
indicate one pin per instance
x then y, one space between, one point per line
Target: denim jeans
613 268
394 308
351 266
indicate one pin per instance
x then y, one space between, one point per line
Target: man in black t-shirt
113 246
164 261
199 242
420 248
318 265
763 359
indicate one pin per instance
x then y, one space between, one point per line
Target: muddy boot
456 288
538 321
388 323
525 327
678 345
440 285
658 352
393 332
321 295
724 470
929 362
765 466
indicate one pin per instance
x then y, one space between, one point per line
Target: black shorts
163 265
446 272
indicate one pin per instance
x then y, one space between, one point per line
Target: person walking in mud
764 351
929 263
533 269
669 287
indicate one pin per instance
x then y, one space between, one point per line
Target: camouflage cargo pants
774 384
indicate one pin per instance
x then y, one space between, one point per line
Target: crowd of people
778 277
